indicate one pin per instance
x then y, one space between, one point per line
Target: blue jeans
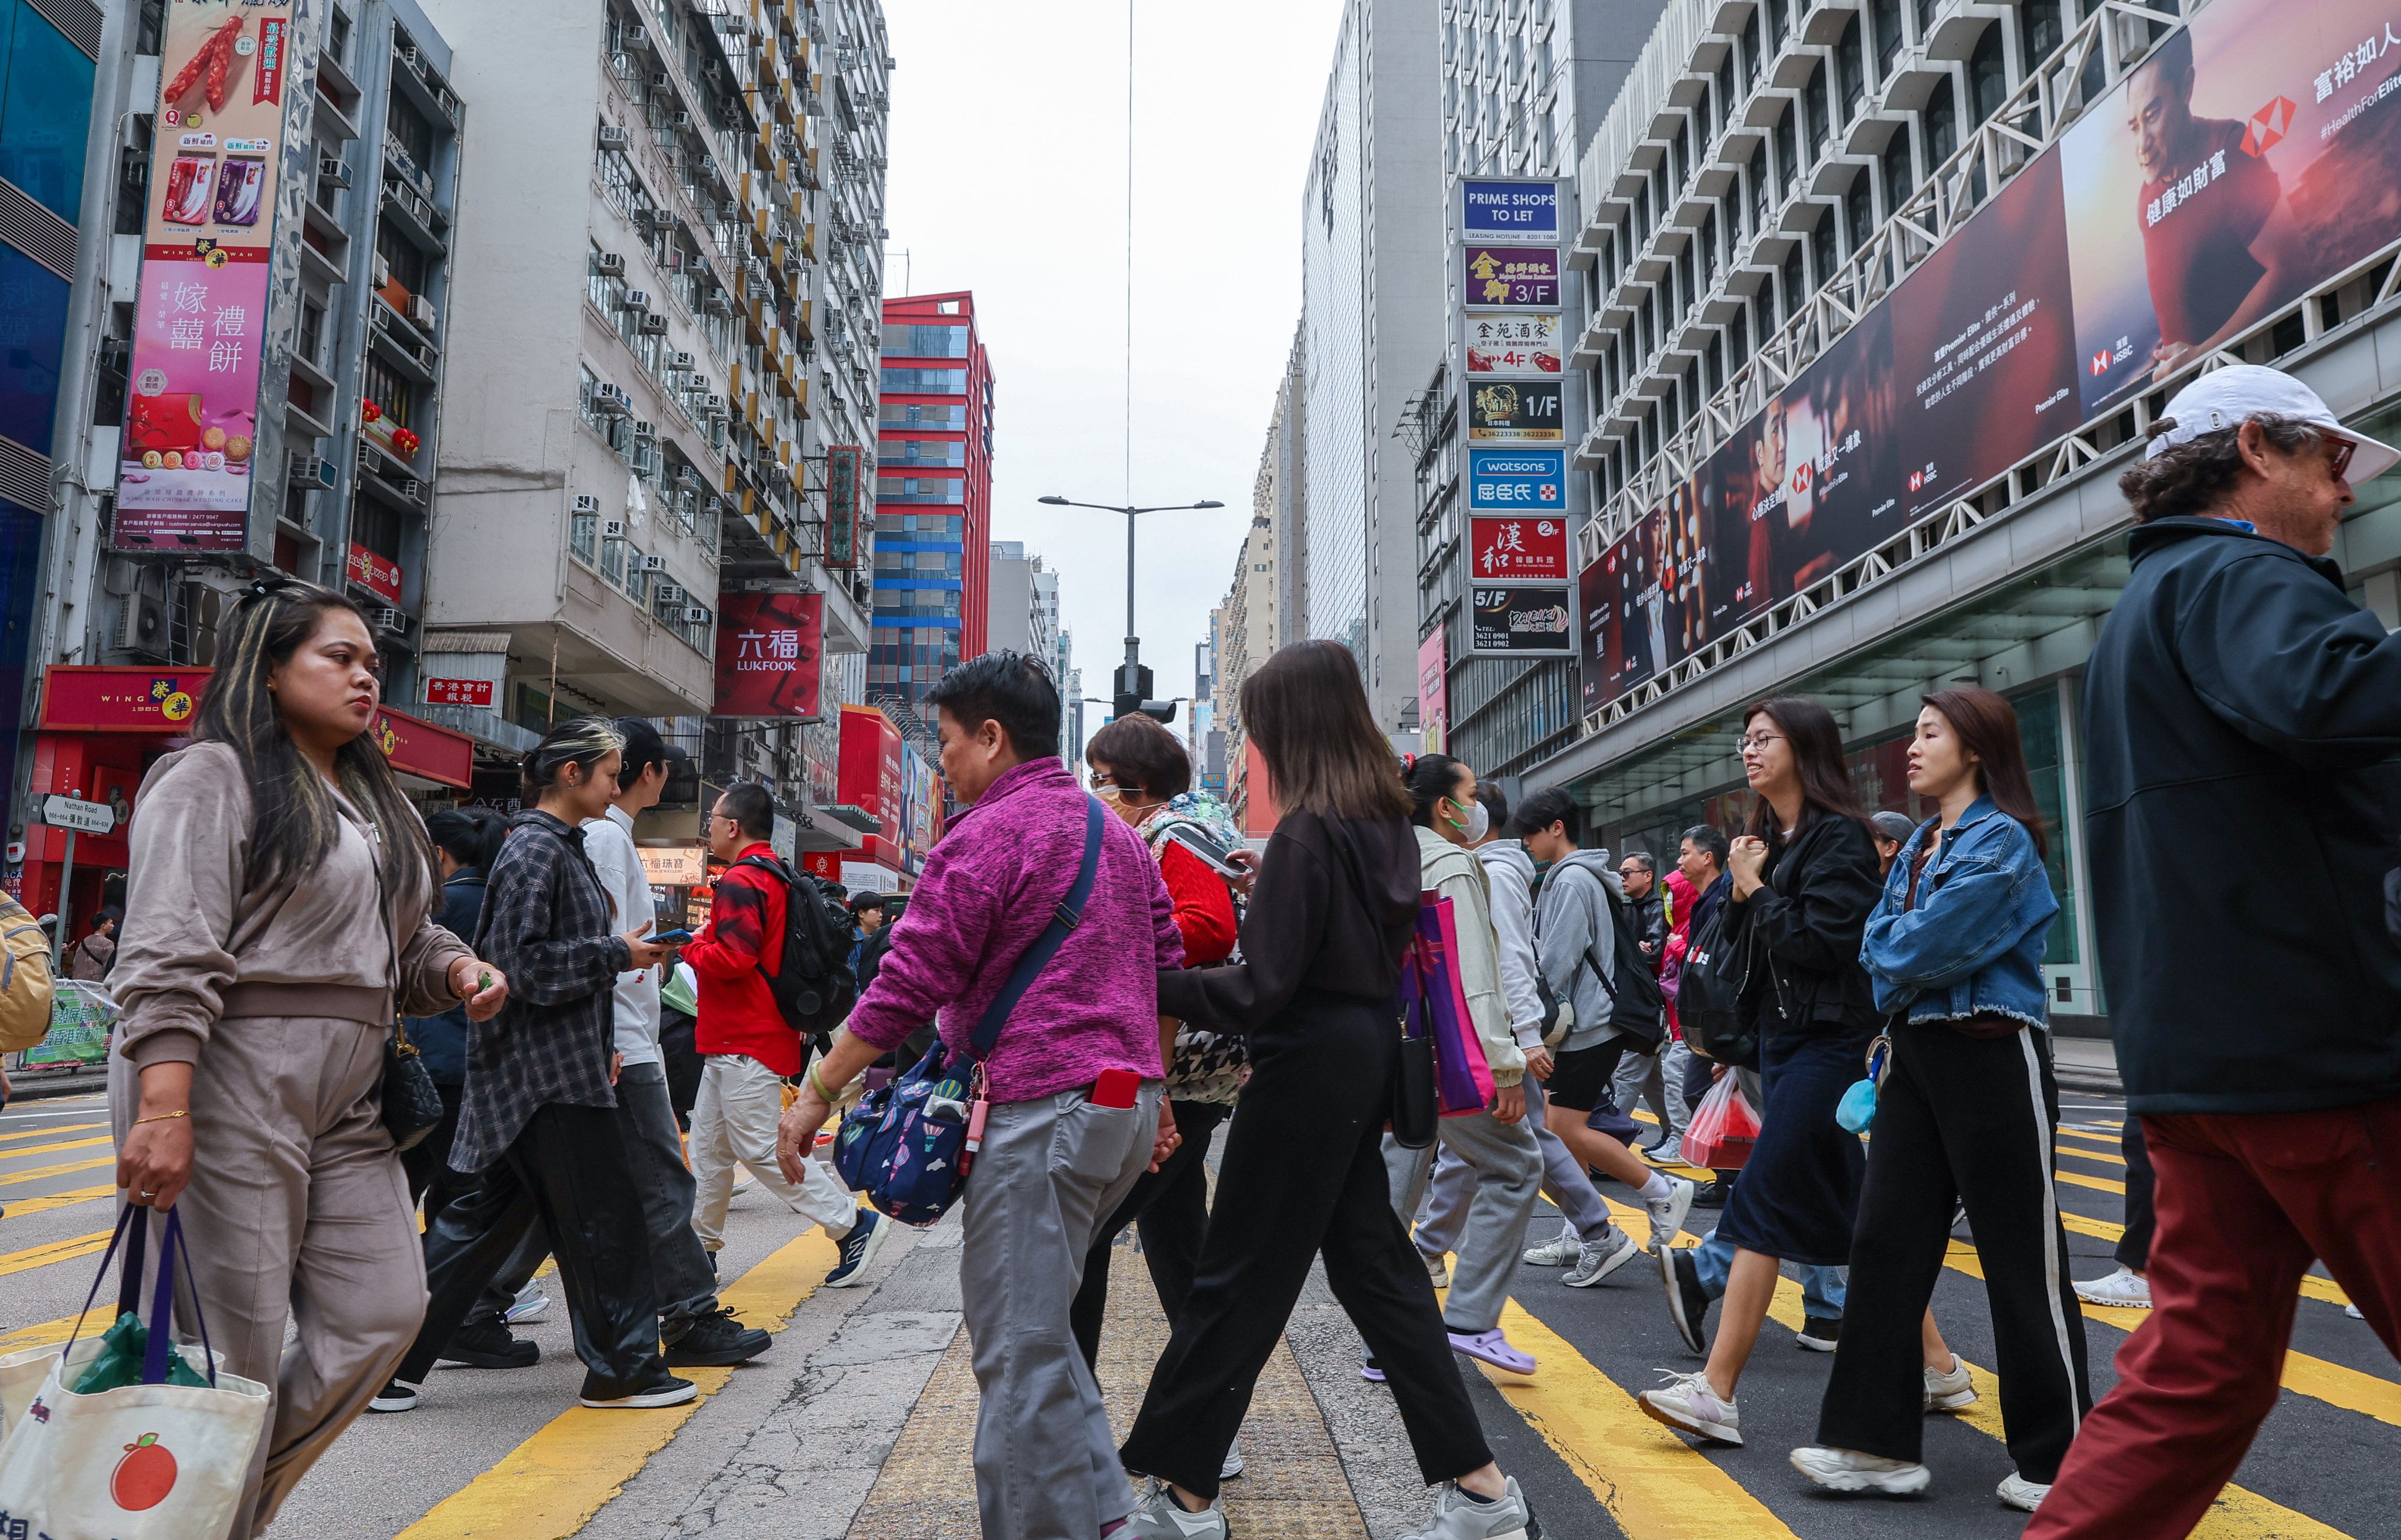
1823 1289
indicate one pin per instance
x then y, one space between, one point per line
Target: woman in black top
466 842
1303 1171
538 1122
1804 879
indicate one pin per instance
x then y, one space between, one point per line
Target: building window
1850 69
1941 125
1775 27
1813 111
45 112
1899 180
1758 178
1859 208
414 133
1988 81
1787 155
1886 17
1796 282
2041 31
1750 52
1822 256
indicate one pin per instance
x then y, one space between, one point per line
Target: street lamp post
1133 680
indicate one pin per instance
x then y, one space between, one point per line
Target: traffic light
1134 694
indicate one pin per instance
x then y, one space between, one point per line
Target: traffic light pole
1134 681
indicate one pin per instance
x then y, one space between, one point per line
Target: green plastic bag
118 1363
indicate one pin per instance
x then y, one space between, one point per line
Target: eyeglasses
2339 452
1756 743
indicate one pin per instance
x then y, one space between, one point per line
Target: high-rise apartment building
1021 602
1371 321
664 285
933 501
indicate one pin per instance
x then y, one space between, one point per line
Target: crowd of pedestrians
597 1086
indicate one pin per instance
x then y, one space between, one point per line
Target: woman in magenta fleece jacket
1055 1161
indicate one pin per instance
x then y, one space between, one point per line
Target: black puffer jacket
2242 717
1800 934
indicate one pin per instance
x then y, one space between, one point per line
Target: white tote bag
150 1461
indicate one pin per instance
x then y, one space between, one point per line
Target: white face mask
1478 824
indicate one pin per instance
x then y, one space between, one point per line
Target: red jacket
745 935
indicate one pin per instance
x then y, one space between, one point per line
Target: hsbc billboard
2254 154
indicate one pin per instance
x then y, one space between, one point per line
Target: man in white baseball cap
2242 717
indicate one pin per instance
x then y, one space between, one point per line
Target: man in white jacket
1588 1240
1575 943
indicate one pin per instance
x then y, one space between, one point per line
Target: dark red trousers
2245 1201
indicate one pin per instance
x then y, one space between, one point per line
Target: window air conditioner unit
645 428
613 401
610 265
721 303
394 621
313 474
331 169
661 80
654 564
586 503
680 120
713 405
382 271
654 324
413 489
680 360
612 529
669 593
408 56
694 615
714 70
420 312
635 37
633 299
611 137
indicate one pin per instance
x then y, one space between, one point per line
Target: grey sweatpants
1508 1168
1657 1078
1050 1170
298 1210
1564 1182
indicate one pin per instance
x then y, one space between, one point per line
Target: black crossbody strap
1069 914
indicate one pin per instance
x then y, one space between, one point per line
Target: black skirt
1799 1193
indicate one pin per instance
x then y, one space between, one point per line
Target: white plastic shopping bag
147 1461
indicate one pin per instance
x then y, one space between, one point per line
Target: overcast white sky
1008 179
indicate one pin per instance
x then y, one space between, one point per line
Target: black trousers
568 1169
1303 1175
1960 1120
2134 1246
426 1163
1171 1206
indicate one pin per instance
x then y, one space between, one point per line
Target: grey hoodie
1571 920
1511 872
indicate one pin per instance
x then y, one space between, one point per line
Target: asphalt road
856 1422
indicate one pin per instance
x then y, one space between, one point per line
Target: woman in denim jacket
1966 1114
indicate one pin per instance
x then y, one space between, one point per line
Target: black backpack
814 987
1637 1007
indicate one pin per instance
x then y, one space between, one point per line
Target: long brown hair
1817 743
1308 712
1987 727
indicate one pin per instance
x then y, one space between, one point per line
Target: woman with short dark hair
1303 1170
279 901
1966 1114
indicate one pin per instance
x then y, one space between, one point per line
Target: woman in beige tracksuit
276 920
1496 1143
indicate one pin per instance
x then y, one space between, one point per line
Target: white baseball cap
2233 395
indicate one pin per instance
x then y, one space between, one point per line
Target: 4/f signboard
1523 343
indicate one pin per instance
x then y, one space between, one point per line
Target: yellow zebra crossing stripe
25 1208
56 1251
43 1173
2312 1287
550 1486
45 1133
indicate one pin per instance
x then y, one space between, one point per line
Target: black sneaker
607 1395
1711 1194
395 1397
1688 1306
1820 1334
488 1344
717 1341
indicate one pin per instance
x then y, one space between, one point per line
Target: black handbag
412 1103
1710 993
1414 1112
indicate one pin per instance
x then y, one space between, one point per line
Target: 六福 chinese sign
768 654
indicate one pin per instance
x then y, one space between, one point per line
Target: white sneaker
1459 1517
531 1304
2020 1494
1952 1391
1667 1214
1690 1402
1559 1251
1667 1152
2125 1287
2355 1313
1848 1470
1598 1259
1233 1465
1160 1518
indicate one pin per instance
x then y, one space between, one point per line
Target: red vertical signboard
871 778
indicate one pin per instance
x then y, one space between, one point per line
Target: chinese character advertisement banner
191 419
1527 547
1512 275
768 650
2253 156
